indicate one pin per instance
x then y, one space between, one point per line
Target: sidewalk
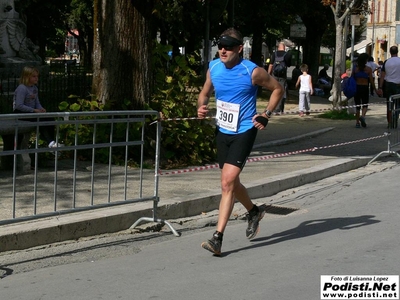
290 152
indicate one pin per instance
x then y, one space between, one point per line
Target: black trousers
390 90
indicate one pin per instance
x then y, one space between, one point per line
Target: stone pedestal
7 132
16 49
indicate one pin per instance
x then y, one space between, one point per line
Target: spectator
390 74
323 77
280 58
363 76
306 89
374 67
26 100
351 109
380 64
346 74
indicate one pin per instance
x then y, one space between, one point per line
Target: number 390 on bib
227 115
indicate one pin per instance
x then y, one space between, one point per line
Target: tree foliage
268 23
80 18
49 21
131 40
180 23
43 20
317 20
188 141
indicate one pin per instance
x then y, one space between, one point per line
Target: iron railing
68 183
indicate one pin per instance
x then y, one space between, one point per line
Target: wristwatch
268 113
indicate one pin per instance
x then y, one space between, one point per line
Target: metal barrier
393 130
71 183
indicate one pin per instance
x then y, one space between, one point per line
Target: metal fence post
156 179
393 131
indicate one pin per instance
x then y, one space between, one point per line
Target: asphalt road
344 225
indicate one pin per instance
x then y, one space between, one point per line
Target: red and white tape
254 159
328 109
266 157
283 113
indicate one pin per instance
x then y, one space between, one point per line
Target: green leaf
63 106
75 107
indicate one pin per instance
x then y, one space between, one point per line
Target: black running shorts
234 149
362 96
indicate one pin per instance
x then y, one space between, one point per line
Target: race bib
227 115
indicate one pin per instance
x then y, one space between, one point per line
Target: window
397 10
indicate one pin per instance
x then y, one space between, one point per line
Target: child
346 74
351 109
26 100
305 91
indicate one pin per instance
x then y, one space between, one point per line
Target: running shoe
362 120
253 222
213 245
53 144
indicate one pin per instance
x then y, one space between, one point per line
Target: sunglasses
228 42
226 47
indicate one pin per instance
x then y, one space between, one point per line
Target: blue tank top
235 86
361 74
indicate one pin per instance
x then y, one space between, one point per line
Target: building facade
381 27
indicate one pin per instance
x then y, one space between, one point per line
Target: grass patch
337 115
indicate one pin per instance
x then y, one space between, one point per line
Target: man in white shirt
390 75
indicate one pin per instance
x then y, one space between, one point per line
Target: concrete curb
108 220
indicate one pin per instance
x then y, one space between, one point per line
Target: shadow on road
309 228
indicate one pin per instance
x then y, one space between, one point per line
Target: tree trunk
316 27
256 47
337 89
311 51
121 56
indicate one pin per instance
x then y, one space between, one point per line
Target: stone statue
13 40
